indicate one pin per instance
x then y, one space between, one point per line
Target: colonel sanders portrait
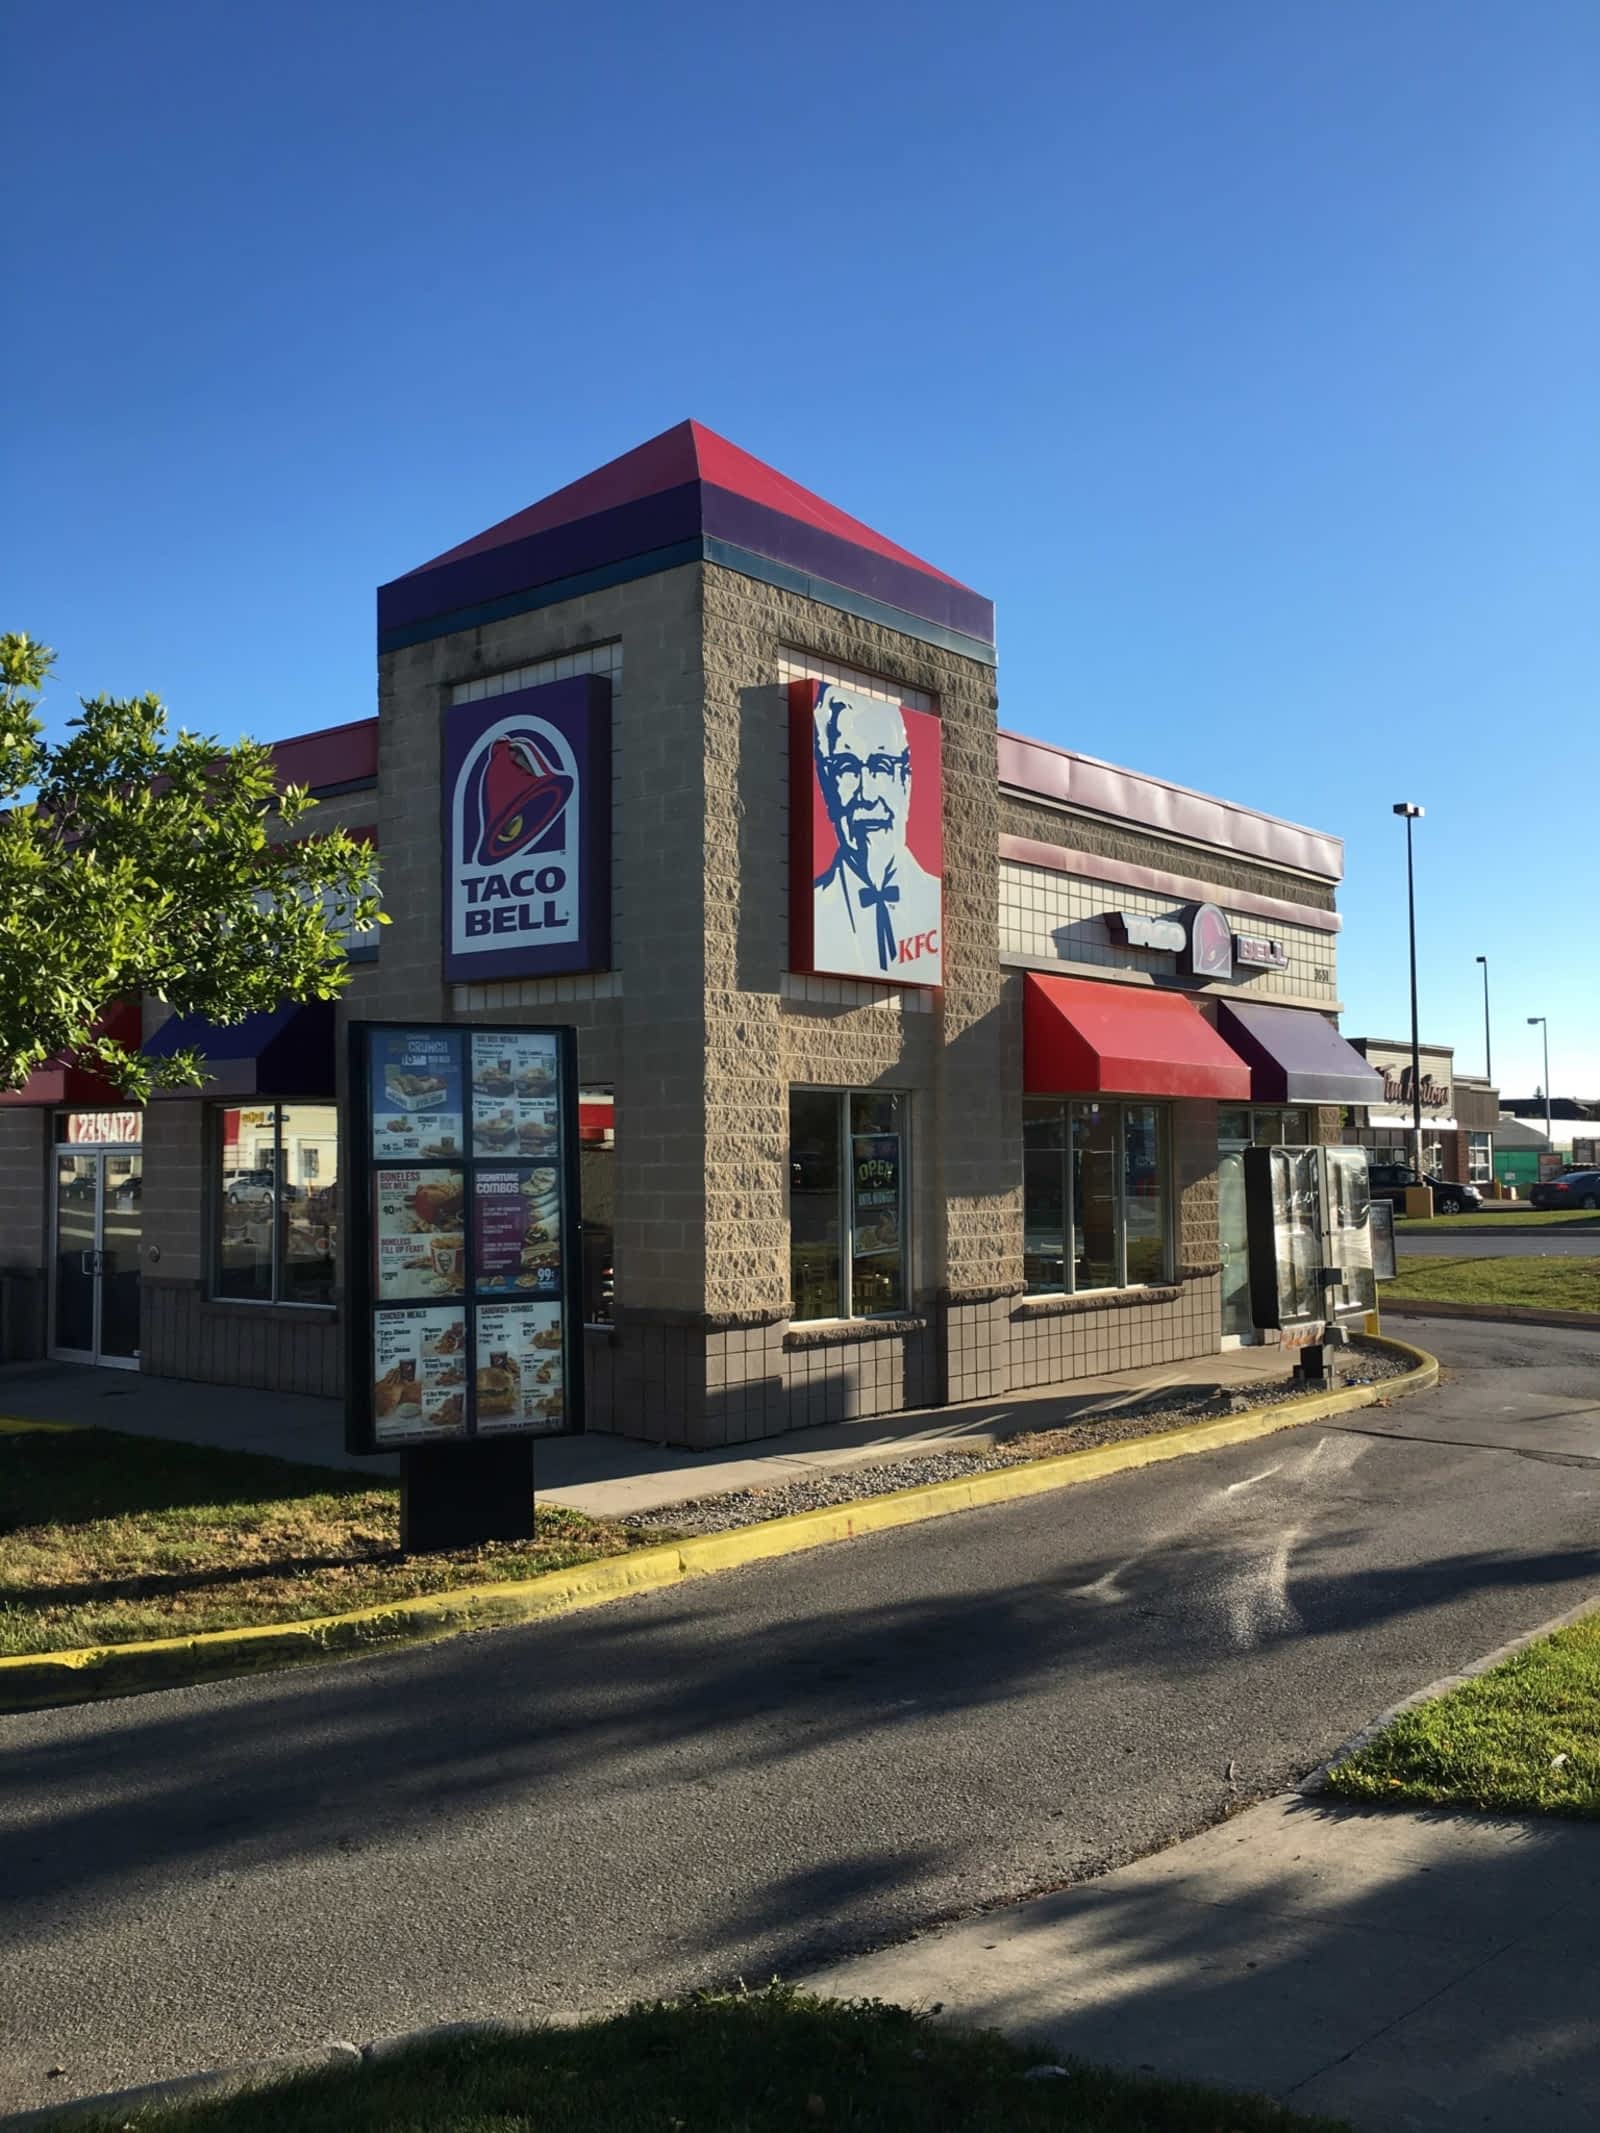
875 911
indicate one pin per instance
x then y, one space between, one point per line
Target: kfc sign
527 832
866 837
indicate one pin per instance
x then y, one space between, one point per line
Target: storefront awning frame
284 1051
1295 1055
1089 1037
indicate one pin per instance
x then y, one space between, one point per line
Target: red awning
1081 1037
63 1081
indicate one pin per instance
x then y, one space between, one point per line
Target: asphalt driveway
782 1765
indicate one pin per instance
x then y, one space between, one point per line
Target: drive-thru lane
758 1772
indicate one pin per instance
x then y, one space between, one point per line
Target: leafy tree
135 861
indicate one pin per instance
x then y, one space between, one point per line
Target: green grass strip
1530 1284
769 2062
107 1538
1523 1738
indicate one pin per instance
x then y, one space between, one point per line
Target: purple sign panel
527 832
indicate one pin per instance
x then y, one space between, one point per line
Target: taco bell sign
527 832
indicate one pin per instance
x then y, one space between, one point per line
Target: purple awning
284 1051
1295 1056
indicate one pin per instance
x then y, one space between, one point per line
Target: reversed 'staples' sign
527 832
866 890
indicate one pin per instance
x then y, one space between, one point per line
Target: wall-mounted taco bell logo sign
1210 943
527 832
866 897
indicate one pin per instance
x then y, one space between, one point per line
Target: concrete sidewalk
1406 1971
607 1475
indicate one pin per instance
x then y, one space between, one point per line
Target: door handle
86 1262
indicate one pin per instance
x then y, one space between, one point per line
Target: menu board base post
463 1495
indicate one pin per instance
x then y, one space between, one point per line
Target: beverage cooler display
464 1273
1309 1218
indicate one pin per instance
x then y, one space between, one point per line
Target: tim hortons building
917 1058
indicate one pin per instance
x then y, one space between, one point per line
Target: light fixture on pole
1549 1130
1488 1056
1413 813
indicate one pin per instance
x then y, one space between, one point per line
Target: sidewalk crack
1405 2015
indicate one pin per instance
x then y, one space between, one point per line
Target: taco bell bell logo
520 818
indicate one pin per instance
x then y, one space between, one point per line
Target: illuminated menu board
464 1274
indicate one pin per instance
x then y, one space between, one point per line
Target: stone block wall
767 1031
25 1189
1138 846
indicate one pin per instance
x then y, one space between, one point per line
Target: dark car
1392 1181
1574 1188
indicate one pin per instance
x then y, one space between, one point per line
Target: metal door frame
98 1152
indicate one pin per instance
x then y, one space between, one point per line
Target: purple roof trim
565 551
694 509
748 524
1057 773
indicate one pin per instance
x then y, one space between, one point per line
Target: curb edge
1317 1781
49 1680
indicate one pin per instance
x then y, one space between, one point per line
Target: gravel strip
882 1477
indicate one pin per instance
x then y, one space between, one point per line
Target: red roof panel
687 452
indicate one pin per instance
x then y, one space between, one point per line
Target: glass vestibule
1241 1126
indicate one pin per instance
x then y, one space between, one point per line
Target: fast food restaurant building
917 1058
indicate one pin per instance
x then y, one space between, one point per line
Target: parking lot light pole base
464 1495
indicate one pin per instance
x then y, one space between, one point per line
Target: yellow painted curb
38 1680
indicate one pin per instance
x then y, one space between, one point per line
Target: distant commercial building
1459 1112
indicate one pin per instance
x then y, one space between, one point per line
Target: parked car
1574 1188
1392 1181
255 1188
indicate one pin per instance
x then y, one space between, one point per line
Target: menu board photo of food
516 1230
420 1233
464 1314
516 1078
416 1094
519 1373
419 1382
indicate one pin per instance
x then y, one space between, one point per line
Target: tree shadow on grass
763 2062
71 1478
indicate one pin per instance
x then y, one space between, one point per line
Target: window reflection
814 1210
1096 1194
277 1220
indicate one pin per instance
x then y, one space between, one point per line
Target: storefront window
1096 1195
1480 1159
1144 1198
847 1202
1096 1260
277 1224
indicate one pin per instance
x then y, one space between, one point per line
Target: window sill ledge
1096 1300
248 1307
843 1332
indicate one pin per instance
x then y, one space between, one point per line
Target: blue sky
1246 353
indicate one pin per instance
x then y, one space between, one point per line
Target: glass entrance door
99 1227
77 1238
121 1230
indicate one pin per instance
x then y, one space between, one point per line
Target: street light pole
1488 1056
1413 813
1549 1130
